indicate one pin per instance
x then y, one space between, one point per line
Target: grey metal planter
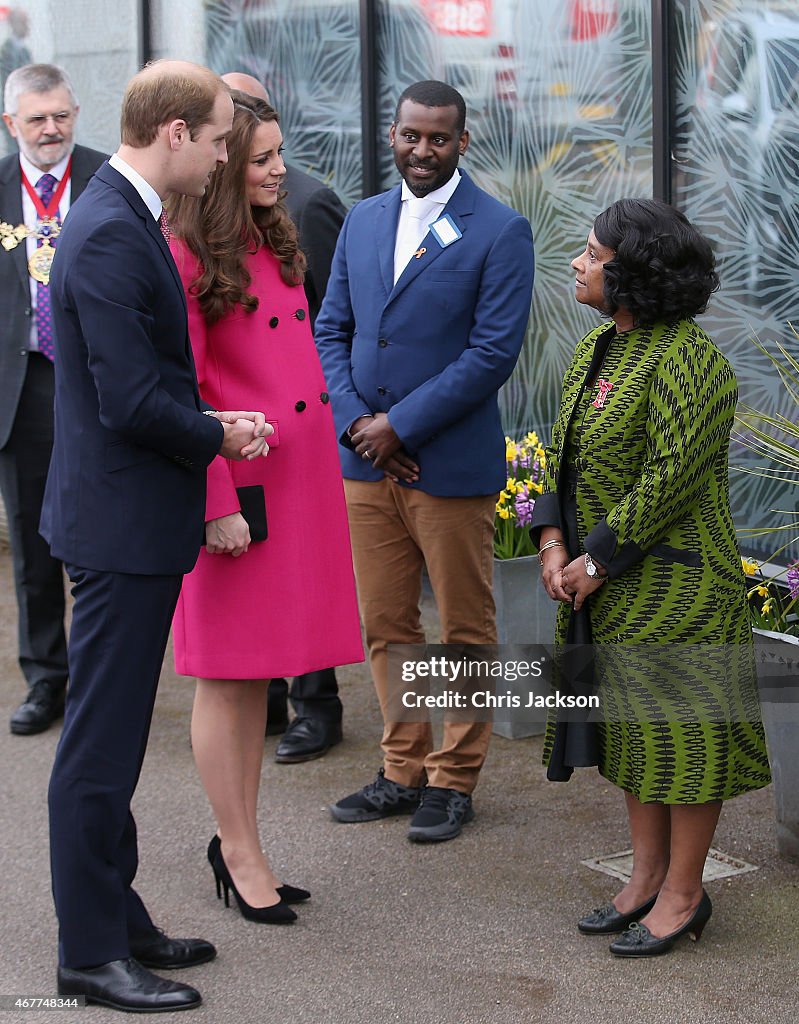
525 615
778 677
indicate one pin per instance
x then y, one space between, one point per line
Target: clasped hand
245 434
567 581
373 438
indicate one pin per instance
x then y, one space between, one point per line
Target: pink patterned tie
163 224
44 320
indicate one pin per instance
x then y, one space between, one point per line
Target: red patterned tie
44 321
163 224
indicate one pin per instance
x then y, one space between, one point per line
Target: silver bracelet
549 544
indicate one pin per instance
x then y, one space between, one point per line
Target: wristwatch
592 570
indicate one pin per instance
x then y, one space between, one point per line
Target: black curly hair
663 268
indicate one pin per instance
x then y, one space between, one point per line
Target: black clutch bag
253 508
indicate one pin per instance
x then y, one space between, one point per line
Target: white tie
415 217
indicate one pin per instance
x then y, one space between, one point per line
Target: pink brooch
604 388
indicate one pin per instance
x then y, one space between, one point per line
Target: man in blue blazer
123 509
423 320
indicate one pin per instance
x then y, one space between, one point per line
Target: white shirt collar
441 195
33 173
151 198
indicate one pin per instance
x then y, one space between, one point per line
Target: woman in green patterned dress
637 542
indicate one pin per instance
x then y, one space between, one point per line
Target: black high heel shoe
287 893
278 913
639 941
606 920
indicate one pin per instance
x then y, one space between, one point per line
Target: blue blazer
126 488
433 350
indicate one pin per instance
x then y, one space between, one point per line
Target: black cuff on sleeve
602 545
546 512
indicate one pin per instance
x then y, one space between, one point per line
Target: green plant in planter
775 437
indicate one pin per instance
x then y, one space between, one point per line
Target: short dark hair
663 267
434 94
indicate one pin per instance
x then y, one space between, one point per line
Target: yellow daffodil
750 566
762 591
503 513
767 606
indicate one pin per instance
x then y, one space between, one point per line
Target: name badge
444 231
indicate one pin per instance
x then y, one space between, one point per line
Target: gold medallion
11 236
41 261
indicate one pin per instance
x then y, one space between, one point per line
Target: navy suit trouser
120 627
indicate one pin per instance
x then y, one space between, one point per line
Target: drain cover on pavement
717 865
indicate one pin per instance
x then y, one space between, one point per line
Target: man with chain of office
37 186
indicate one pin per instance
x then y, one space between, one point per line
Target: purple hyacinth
793 579
524 509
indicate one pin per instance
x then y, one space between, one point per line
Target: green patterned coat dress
649 438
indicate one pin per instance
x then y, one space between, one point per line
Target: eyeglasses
63 117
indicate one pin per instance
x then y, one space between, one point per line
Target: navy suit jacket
126 488
433 350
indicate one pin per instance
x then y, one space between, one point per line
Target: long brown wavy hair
221 228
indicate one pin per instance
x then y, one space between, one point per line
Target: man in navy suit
423 320
124 509
41 111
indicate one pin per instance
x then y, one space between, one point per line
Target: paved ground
476 931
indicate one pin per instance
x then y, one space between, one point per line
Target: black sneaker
441 815
380 799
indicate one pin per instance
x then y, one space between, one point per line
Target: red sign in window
592 18
460 17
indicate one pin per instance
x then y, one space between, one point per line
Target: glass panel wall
736 168
307 54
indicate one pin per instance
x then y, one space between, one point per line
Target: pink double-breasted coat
288 605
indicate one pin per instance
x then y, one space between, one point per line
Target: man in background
14 53
37 186
318 213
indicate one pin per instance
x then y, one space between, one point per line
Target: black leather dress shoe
126 985
157 950
43 706
307 738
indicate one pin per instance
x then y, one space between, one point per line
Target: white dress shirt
149 196
416 216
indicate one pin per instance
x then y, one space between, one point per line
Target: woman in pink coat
254 609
